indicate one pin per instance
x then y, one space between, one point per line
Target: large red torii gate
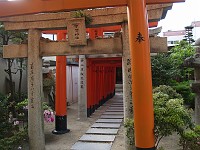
139 49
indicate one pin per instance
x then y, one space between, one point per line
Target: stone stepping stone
113 110
113 113
116 106
120 105
102 131
97 138
109 121
91 146
121 108
106 125
112 116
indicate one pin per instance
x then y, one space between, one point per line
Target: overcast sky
181 15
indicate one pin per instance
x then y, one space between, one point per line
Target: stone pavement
101 135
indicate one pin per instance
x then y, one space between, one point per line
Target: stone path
102 133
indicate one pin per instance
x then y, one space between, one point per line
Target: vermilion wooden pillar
110 82
97 87
141 75
89 87
107 82
113 83
61 104
103 82
94 87
114 79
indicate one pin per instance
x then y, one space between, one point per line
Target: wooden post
61 104
141 75
35 89
89 88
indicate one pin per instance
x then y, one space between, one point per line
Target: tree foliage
177 56
168 66
17 38
163 70
170 115
190 140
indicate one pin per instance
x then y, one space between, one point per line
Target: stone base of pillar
153 148
96 106
110 95
60 125
89 111
93 108
103 100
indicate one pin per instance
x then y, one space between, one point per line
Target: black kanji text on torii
139 38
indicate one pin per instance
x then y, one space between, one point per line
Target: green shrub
190 140
5 126
80 14
2 97
163 70
168 67
13 142
167 90
170 115
23 104
130 131
185 90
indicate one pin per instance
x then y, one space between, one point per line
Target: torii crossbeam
139 50
21 7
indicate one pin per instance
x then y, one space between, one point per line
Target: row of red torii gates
140 60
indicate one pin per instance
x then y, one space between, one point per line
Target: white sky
181 15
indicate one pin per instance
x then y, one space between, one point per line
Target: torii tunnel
101 77
101 72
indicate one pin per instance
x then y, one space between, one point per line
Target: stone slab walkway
101 135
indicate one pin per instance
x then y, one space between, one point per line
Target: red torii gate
139 49
103 29
61 127
22 7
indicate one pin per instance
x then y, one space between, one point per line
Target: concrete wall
4 76
16 78
72 82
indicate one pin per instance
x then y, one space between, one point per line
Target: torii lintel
22 7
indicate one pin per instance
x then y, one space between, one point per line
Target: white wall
171 40
196 33
72 84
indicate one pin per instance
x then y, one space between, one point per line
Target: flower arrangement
49 115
